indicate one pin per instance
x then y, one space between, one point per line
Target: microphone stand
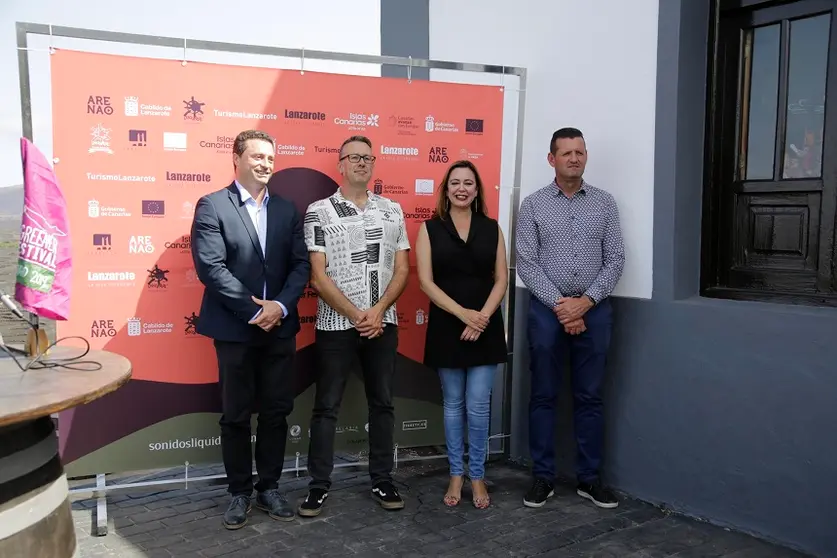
36 338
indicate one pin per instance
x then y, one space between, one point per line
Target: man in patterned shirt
570 256
358 246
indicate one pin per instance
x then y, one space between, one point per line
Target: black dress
465 272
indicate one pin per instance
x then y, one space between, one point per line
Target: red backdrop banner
137 141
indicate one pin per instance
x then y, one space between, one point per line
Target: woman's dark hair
477 206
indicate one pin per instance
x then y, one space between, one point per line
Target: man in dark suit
249 252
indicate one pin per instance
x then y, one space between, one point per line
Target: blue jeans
549 344
467 391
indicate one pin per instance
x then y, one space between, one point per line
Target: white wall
329 25
591 65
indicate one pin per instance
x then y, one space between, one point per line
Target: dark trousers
255 378
548 347
341 352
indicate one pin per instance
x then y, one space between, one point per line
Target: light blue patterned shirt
569 246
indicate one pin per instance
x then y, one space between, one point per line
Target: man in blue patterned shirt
570 255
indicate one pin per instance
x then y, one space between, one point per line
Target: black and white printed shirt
360 247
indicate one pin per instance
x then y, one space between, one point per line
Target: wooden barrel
35 519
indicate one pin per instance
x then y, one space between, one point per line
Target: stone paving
187 522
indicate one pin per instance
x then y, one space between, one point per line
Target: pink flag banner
45 262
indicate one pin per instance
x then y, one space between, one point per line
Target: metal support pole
511 293
101 506
25 105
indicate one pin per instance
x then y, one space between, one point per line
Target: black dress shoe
275 505
236 515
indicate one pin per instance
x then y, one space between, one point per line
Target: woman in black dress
461 257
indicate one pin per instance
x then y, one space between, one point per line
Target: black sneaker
236 515
313 503
597 494
387 495
275 505
537 495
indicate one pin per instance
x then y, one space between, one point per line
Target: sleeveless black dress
465 272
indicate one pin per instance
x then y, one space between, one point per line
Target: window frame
723 139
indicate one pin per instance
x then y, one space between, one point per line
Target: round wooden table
35 519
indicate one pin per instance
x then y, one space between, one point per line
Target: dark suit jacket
229 262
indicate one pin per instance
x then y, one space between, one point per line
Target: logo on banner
191 325
290 150
465 154
399 152
102 242
438 154
421 317
157 278
138 138
405 125
358 121
184 245
140 245
408 425
221 144
131 106
245 115
99 105
187 177
194 110
96 210
134 108
380 187
120 177
174 141
433 125
111 278
299 116
136 327
153 208
473 126
418 214
100 140
187 210
424 186
330 150
102 328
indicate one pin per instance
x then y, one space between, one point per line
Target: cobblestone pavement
187 522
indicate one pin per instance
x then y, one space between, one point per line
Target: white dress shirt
258 215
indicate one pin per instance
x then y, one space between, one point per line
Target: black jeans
340 353
255 378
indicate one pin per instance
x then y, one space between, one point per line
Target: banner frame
24 29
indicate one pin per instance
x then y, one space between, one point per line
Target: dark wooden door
773 166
